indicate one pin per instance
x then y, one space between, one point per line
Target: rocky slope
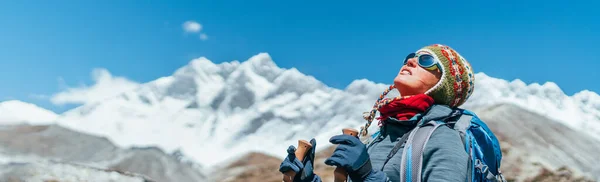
25 149
49 171
533 143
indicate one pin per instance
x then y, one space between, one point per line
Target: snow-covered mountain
214 112
14 111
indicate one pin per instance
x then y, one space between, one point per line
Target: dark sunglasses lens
426 61
411 55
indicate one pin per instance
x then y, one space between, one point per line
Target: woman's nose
412 62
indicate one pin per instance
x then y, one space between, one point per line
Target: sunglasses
424 60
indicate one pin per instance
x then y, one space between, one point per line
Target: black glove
351 154
304 170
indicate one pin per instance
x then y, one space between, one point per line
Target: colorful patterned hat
457 81
453 89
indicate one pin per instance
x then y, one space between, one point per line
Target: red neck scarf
405 108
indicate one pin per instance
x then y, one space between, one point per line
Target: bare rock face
51 152
55 172
561 175
251 167
153 162
55 142
534 144
264 168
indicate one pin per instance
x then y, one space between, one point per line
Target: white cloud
192 26
203 36
105 86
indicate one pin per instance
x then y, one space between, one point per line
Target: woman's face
413 79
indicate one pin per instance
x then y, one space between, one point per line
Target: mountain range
212 114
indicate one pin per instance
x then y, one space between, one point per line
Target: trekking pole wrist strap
361 173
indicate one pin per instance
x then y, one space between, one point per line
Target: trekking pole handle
340 174
303 147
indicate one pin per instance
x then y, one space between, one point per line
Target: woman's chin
401 82
406 88
402 89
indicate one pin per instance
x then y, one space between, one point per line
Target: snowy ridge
213 112
14 111
580 111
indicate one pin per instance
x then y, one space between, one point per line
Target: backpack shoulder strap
462 124
412 155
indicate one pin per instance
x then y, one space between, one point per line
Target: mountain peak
262 64
588 98
517 87
262 60
198 66
15 111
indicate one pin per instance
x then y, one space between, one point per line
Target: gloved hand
304 170
351 154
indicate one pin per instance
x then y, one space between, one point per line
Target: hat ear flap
457 80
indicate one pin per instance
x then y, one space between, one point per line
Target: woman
433 75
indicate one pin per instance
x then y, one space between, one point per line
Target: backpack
479 141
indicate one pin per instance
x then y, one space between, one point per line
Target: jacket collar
393 125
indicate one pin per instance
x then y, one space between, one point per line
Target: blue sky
48 46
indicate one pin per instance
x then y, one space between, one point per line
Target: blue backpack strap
463 123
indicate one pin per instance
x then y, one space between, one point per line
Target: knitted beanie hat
453 89
457 81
